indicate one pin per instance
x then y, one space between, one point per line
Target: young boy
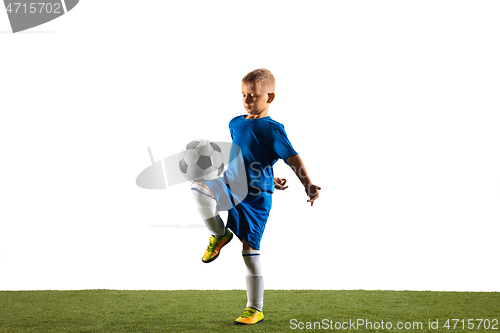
260 141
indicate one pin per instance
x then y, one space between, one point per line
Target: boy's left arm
298 167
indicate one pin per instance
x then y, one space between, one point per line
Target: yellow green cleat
249 317
215 245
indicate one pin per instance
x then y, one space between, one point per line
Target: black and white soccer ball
202 160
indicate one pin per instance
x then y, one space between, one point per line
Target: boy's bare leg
247 247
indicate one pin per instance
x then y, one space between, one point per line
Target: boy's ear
271 97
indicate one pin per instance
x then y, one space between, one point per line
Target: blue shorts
246 217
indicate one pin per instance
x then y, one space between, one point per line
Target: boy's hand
312 192
279 184
298 167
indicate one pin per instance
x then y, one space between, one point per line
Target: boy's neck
263 114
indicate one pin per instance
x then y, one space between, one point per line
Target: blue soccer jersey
259 143
262 142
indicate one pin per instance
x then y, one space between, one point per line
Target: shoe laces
214 241
248 313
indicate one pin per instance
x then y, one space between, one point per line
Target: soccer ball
202 160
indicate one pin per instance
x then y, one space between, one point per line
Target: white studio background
393 105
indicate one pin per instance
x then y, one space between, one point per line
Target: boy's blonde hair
262 76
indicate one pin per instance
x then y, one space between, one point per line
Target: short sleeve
282 146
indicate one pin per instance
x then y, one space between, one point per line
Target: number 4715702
471 324
34 8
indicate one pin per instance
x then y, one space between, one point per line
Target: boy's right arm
298 167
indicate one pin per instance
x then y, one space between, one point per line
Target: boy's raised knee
205 186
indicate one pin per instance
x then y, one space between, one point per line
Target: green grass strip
215 310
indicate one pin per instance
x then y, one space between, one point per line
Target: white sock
254 279
207 207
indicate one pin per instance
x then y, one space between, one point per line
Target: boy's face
256 100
